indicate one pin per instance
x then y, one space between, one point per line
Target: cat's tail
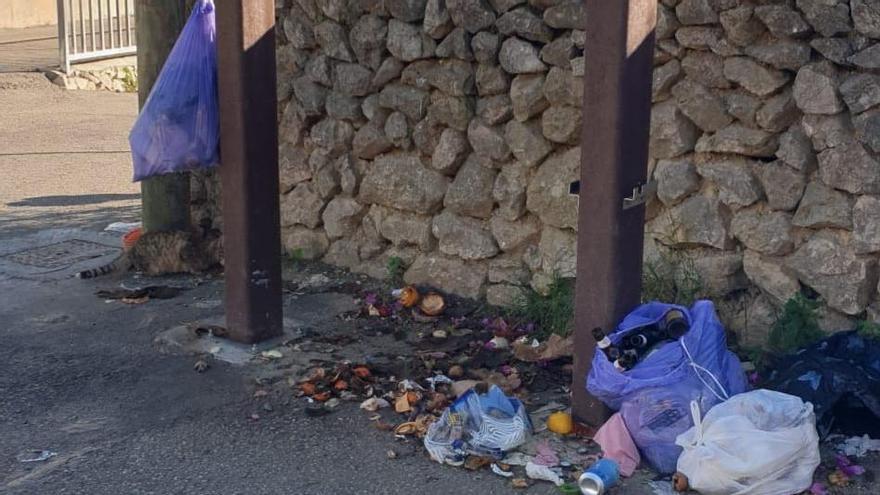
115 265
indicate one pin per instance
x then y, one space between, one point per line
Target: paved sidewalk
28 49
64 156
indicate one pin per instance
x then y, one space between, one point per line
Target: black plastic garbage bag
839 375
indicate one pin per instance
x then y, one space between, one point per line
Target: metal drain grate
61 254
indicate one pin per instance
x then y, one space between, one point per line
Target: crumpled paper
554 348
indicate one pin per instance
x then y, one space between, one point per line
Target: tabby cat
161 253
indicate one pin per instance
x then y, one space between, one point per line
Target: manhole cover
61 254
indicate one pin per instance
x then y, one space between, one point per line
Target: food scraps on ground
408 296
373 404
501 472
432 304
680 482
560 423
519 483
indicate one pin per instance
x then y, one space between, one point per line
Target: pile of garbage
680 398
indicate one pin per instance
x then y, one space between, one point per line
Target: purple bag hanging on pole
179 126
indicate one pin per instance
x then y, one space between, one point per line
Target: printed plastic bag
179 128
481 424
654 396
657 416
757 443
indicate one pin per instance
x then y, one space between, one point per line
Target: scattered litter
847 467
859 446
556 347
122 227
517 459
272 354
211 330
818 488
391 454
37 456
545 455
840 376
485 424
402 405
500 472
498 343
133 296
440 334
419 427
432 304
617 444
408 296
560 423
434 380
373 404
455 372
680 482
782 453
519 483
569 489
461 387
409 385
602 475
201 365
135 300
543 473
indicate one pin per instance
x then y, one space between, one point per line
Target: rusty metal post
614 156
249 168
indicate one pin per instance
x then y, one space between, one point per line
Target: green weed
796 327
395 269
296 256
551 313
129 80
671 279
869 329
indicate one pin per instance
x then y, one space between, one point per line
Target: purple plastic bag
179 126
654 396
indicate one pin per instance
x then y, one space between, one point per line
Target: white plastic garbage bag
756 443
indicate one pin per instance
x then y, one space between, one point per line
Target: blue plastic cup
601 476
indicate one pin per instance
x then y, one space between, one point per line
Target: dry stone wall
445 133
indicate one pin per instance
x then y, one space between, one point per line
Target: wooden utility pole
249 168
614 159
165 199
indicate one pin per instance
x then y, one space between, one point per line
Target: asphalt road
83 379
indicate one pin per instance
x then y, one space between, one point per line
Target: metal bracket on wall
640 194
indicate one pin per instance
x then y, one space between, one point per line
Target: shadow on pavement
71 200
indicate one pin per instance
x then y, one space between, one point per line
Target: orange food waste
409 296
433 304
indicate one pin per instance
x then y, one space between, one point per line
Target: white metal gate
95 29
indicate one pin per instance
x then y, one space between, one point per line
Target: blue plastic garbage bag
488 424
654 396
179 127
